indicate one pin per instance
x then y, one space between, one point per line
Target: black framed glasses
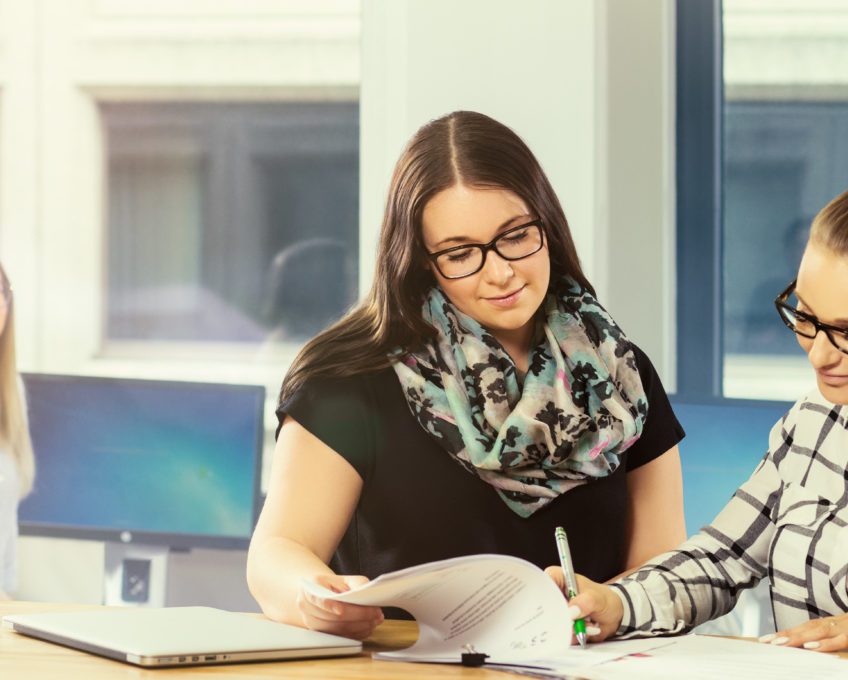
513 244
806 325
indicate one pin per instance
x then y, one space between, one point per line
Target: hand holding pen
596 603
570 580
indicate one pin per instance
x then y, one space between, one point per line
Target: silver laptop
179 636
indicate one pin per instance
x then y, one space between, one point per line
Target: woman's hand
596 603
338 618
829 634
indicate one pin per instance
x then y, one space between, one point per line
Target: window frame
699 173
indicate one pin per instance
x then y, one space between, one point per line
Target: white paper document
702 657
503 606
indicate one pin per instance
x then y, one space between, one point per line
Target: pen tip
581 638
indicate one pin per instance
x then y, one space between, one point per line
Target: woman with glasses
477 398
17 467
789 521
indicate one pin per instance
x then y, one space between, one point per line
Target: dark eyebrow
835 322
465 239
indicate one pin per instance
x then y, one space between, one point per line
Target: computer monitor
725 440
141 461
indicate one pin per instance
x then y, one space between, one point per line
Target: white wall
638 188
531 65
588 84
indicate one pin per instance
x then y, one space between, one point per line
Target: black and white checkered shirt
788 521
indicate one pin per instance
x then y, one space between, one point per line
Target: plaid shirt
788 521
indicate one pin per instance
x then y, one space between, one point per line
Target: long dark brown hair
461 147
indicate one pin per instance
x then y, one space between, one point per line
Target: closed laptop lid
179 635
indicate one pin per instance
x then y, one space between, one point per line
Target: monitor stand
135 575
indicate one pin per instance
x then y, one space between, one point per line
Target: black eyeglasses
806 325
513 244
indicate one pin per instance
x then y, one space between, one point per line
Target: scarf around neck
581 404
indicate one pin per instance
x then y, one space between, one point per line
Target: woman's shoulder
643 361
811 413
358 386
651 382
344 412
812 428
327 401
661 430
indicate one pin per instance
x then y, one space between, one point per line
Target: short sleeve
661 430
339 413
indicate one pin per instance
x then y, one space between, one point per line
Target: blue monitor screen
725 440
162 462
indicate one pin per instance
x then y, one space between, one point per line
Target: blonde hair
830 226
14 430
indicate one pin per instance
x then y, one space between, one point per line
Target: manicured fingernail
812 645
780 641
768 638
593 630
574 612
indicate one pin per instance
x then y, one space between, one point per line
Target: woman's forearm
275 568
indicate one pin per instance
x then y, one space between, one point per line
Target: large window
230 222
178 179
783 161
763 145
785 142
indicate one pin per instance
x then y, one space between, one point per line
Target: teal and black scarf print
580 407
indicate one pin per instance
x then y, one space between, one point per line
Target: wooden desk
24 658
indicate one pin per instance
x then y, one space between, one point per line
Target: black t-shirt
418 504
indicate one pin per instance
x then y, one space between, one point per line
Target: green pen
570 580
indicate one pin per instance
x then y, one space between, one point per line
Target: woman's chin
834 394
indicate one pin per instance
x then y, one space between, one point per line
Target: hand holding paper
503 606
331 616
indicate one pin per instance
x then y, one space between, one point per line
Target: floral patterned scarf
580 407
